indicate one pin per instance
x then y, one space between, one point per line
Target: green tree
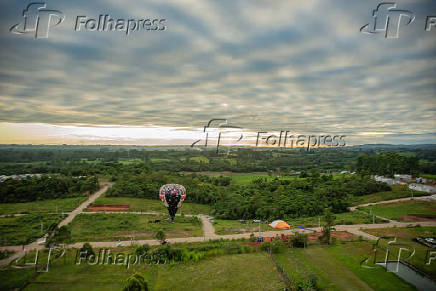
136 282
160 236
327 228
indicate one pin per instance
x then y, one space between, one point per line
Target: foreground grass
253 271
398 191
405 208
338 268
140 204
113 227
25 229
404 236
43 206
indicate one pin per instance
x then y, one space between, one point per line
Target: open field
43 206
254 271
112 227
398 191
224 226
232 272
413 209
404 236
338 268
25 229
140 204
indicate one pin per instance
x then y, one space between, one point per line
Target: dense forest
388 164
262 198
86 160
46 187
140 172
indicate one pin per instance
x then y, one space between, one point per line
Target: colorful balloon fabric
172 195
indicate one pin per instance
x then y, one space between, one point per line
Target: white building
388 181
404 178
423 188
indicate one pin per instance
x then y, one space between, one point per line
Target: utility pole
42 227
319 221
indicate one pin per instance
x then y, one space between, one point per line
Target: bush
87 248
277 246
299 240
141 250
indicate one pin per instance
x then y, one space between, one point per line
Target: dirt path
85 204
20 251
431 198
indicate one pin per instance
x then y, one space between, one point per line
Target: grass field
43 206
338 268
400 209
223 226
113 227
404 236
234 226
232 272
24 229
254 271
398 191
140 204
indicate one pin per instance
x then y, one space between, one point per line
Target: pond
410 275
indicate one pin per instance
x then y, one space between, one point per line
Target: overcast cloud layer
263 65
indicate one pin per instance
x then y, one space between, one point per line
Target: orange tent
279 224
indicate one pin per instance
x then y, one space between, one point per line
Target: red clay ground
108 208
417 218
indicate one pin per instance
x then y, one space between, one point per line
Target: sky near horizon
299 66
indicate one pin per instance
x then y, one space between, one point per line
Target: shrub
299 240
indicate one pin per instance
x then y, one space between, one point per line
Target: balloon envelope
172 195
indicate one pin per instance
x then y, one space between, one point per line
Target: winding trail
21 250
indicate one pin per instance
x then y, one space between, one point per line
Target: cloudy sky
301 66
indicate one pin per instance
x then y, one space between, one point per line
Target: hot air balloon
172 195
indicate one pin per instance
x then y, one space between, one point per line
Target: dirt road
19 250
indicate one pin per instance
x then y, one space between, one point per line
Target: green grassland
140 204
113 227
398 191
42 206
20 230
403 208
338 268
253 271
224 226
404 236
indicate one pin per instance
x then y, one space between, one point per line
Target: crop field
113 227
